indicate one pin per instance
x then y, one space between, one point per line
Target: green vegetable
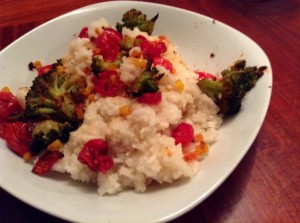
55 96
45 132
229 91
98 65
146 83
134 18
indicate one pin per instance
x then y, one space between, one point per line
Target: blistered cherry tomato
206 75
94 154
17 136
163 62
84 33
150 49
183 133
46 162
109 44
45 69
150 98
8 105
107 83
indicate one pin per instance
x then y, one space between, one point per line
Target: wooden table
265 186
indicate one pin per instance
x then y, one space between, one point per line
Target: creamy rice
141 145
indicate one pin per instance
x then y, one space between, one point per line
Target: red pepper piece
150 49
109 44
206 75
163 62
45 69
94 154
17 136
84 33
9 105
46 162
183 133
150 98
108 83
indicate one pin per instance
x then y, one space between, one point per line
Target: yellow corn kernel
5 90
125 110
91 98
98 31
27 156
167 151
60 69
140 62
179 86
198 138
55 145
173 70
135 54
37 64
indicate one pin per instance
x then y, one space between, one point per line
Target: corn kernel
125 110
167 151
60 69
140 62
173 70
179 86
37 64
198 138
91 98
135 54
5 90
55 145
27 156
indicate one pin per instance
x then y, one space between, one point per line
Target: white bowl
197 37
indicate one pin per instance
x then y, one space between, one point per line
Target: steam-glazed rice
141 143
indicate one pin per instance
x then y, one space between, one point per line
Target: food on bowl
121 109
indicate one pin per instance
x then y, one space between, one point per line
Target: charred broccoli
45 132
98 65
55 95
146 83
134 18
229 91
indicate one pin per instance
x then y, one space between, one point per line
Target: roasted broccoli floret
228 91
146 83
98 65
55 95
45 132
134 18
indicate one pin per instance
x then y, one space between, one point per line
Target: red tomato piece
8 105
109 44
183 133
150 98
163 62
46 162
150 49
94 154
84 33
108 83
206 75
45 69
18 136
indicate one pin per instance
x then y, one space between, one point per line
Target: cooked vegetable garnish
46 132
55 95
134 18
229 91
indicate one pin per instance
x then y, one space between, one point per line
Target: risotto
159 135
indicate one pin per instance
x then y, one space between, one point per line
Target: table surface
265 186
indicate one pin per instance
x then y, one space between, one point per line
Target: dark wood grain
265 186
